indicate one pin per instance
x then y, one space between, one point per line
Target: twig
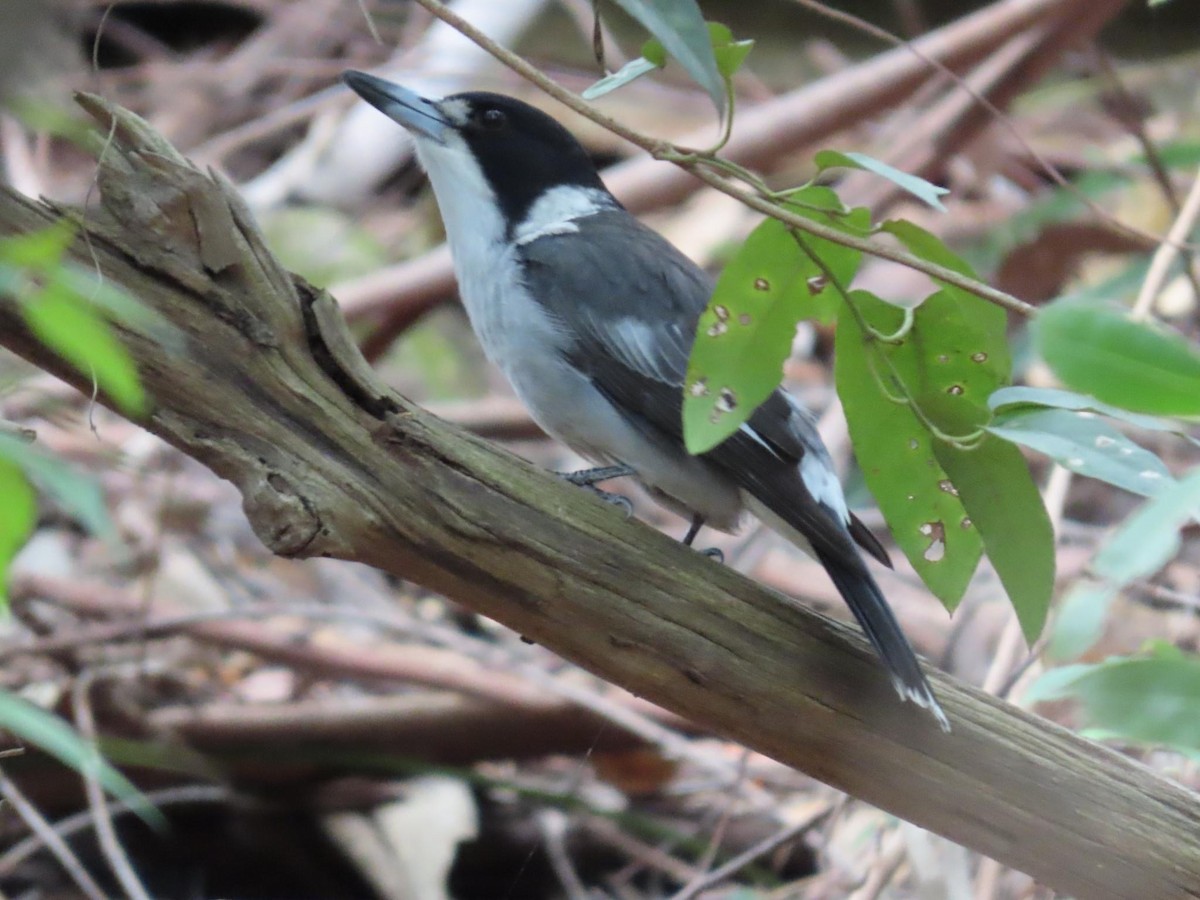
690 161
106 835
49 838
82 821
552 824
719 874
1167 251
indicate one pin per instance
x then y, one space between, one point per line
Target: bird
591 316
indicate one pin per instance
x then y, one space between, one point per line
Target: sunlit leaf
75 493
1153 700
1149 538
1086 445
69 325
681 28
895 454
18 514
1003 503
40 250
52 735
745 333
1135 365
920 188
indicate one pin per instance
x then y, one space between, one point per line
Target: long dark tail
877 620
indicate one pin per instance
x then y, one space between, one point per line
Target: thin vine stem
697 164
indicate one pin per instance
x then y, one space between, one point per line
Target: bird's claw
618 500
714 553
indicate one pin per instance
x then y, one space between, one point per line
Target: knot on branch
282 518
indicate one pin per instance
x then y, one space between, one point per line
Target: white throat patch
556 211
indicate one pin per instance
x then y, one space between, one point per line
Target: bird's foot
589 478
693 530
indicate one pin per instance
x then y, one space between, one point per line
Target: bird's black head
520 152
523 152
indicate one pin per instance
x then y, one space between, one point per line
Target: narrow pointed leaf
1004 505
681 28
52 735
895 453
18 514
1135 365
1149 539
1019 395
923 190
631 71
76 494
1086 445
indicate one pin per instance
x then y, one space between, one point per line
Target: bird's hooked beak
419 115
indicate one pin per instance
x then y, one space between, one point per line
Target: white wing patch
822 482
557 209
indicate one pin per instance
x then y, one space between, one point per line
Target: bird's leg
589 478
693 530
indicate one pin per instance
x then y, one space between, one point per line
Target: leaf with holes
1134 365
745 333
680 27
999 495
1084 444
895 453
920 188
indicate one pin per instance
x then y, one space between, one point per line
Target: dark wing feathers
637 356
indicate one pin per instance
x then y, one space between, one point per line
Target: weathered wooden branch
269 391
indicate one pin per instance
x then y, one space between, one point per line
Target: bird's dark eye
493 119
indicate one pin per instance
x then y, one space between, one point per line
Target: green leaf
632 70
1079 620
1149 538
1086 445
1004 505
41 251
78 495
18 515
895 455
958 352
730 54
915 185
52 735
1060 399
68 324
1153 700
1099 350
745 333
681 28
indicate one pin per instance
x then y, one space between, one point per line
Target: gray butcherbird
591 316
